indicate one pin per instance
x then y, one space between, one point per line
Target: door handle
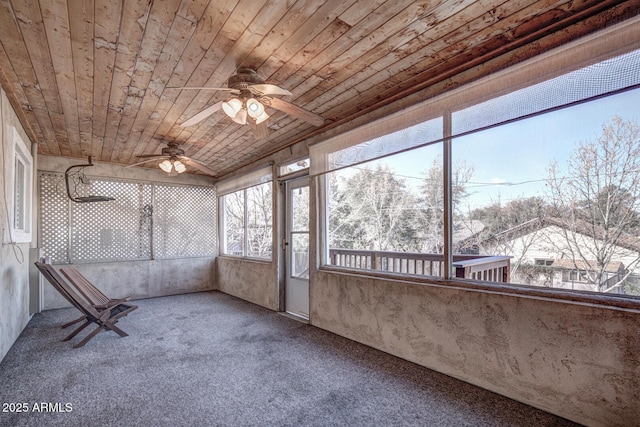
284 244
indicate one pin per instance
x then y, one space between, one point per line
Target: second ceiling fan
252 95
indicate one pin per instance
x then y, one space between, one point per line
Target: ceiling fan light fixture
166 166
179 167
264 116
232 107
254 108
240 117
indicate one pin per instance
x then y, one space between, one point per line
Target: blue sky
520 151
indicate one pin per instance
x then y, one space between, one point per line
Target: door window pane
300 255
300 208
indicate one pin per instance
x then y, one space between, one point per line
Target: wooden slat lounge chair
105 319
92 294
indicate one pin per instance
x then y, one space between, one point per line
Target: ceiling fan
252 95
173 160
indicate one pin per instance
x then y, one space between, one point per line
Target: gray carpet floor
210 359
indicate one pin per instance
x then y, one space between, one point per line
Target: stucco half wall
251 280
142 279
579 361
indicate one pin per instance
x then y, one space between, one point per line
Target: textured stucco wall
253 281
575 360
14 277
142 279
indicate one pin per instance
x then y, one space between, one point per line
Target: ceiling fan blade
198 165
185 158
202 114
156 158
226 89
268 89
260 130
297 112
146 156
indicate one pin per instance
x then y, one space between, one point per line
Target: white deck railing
478 267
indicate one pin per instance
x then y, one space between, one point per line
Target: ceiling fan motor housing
244 78
172 150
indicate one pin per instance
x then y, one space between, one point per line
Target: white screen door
297 248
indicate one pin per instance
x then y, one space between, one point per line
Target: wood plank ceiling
94 77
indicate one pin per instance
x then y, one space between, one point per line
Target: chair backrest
66 290
86 288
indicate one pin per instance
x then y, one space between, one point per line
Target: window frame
605 44
18 152
222 230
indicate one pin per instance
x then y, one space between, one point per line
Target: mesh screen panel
184 221
107 231
145 221
597 79
414 136
54 218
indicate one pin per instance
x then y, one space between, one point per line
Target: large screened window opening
247 215
382 218
567 191
507 180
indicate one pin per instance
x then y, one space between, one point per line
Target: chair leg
73 322
74 333
88 337
115 329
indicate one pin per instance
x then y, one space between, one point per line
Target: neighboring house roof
625 240
463 230
567 264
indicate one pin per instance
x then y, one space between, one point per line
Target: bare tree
259 220
234 222
431 203
598 201
372 210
